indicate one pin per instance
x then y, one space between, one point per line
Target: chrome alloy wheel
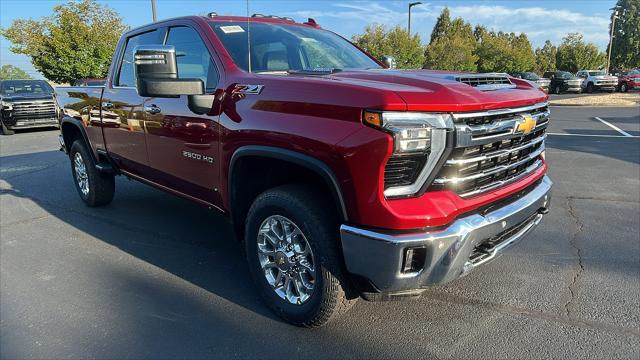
81 174
286 259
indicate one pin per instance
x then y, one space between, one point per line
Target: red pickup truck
342 178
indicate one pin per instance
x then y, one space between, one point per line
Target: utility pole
410 6
613 27
153 9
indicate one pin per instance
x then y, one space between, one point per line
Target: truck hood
419 90
26 97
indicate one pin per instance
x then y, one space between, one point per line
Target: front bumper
377 258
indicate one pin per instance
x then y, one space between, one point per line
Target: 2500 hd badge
196 156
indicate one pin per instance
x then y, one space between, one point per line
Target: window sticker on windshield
231 29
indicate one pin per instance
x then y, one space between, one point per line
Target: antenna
248 38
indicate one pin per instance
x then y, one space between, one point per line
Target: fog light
413 259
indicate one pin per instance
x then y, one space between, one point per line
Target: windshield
283 48
565 75
530 76
12 87
597 73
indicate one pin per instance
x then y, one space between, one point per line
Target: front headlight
7 106
419 142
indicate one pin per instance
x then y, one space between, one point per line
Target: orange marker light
372 118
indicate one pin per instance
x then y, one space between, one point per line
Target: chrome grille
491 151
34 110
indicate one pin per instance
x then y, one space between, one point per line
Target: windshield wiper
316 71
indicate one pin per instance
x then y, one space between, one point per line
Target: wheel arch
315 167
73 129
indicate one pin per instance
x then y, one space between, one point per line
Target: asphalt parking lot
155 276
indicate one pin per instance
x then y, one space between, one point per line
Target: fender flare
80 126
294 157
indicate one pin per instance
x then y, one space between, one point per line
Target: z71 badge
247 89
196 156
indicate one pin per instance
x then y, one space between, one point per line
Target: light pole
153 9
410 6
613 27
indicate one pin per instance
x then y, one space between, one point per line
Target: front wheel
557 90
590 88
293 254
94 187
5 130
624 87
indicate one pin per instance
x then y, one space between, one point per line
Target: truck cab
343 178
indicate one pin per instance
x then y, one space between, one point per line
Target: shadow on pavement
159 318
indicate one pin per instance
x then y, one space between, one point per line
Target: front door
122 111
183 146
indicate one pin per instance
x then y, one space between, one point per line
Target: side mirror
156 73
389 62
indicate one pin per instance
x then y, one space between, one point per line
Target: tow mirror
389 62
156 73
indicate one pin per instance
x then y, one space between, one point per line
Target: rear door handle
152 109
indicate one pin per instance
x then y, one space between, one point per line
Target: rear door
123 110
183 146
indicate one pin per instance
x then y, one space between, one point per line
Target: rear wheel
294 258
624 87
95 188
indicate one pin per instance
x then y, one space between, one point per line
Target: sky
541 20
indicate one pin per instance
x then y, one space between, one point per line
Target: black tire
5 130
624 87
557 89
590 88
331 296
101 187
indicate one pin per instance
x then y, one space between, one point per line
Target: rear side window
193 58
125 75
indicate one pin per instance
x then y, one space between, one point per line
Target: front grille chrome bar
497 153
499 111
492 171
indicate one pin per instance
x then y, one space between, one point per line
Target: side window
194 60
126 76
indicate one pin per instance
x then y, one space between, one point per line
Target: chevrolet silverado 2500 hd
26 104
342 178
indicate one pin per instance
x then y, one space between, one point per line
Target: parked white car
597 80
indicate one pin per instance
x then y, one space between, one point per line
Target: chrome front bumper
378 257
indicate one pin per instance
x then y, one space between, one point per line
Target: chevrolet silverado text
342 178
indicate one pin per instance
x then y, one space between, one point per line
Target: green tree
10 72
378 41
574 54
452 47
546 58
503 52
77 41
443 23
625 52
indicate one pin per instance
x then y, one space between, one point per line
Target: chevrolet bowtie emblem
526 125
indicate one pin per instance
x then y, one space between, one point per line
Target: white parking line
595 135
614 127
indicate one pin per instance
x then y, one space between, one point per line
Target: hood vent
490 81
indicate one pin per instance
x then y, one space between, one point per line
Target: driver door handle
152 109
